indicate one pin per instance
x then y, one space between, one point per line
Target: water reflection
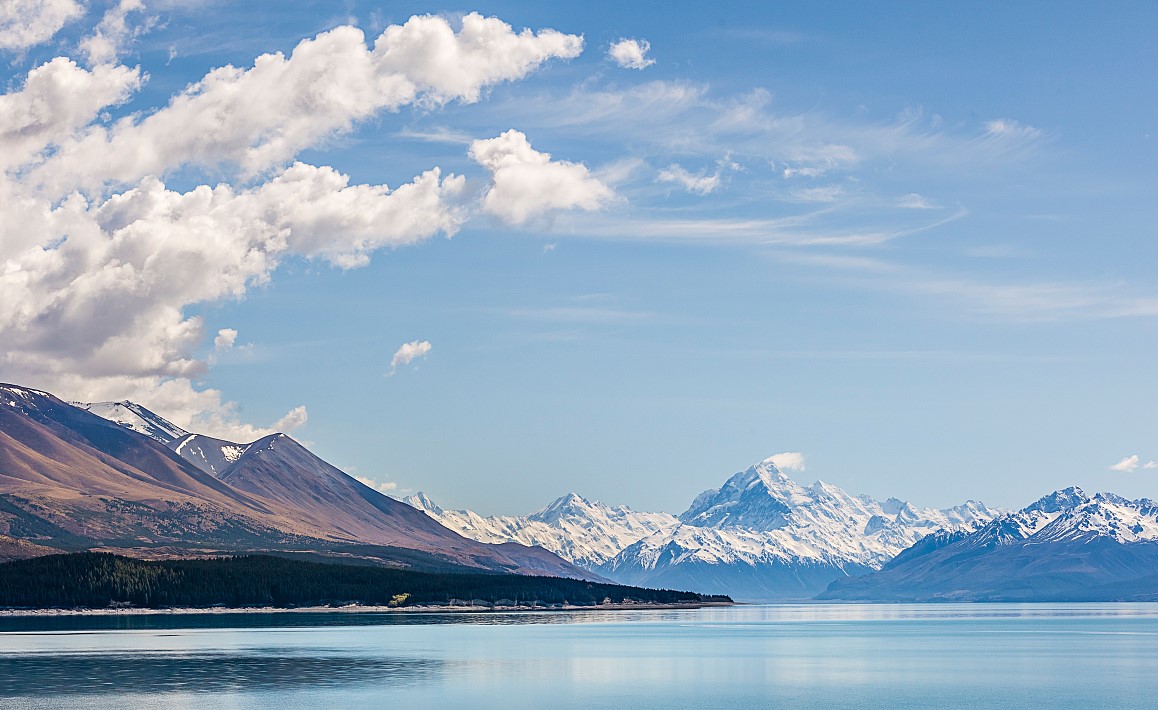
791 655
291 620
47 675
791 613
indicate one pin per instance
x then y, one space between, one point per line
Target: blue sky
913 242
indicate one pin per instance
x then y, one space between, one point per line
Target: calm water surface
823 656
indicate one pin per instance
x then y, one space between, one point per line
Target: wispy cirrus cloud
980 297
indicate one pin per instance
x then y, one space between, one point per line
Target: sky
501 252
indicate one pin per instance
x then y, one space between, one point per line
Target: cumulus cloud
408 352
1127 464
262 116
100 259
293 419
226 337
631 53
1150 465
27 23
56 101
526 184
787 461
113 33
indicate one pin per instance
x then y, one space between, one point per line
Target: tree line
100 580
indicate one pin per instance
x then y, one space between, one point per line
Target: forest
94 580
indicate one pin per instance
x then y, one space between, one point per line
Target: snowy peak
757 498
420 501
764 499
570 505
758 525
133 416
1059 501
1104 516
1071 515
587 533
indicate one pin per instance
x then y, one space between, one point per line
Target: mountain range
760 536
115 476
1067 546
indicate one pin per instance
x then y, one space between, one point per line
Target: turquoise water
822 656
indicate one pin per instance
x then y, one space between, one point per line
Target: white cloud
408 352
58 98
100 260
293 419
1127 464
787 461
384 488
262 116
631 53
526 184
226 337
108 300
27 23
443 66
696 183
108 41
1150 465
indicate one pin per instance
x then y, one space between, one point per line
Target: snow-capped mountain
759 536
584 532
1065 546
762 536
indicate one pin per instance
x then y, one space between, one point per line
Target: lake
802 655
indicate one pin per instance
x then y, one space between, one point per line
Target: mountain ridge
758 536
71 476
1066 546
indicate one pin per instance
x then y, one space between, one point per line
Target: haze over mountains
759 536
70 479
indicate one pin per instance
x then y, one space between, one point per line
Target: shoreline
349 609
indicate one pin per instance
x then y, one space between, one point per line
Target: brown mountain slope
69 478
279 469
